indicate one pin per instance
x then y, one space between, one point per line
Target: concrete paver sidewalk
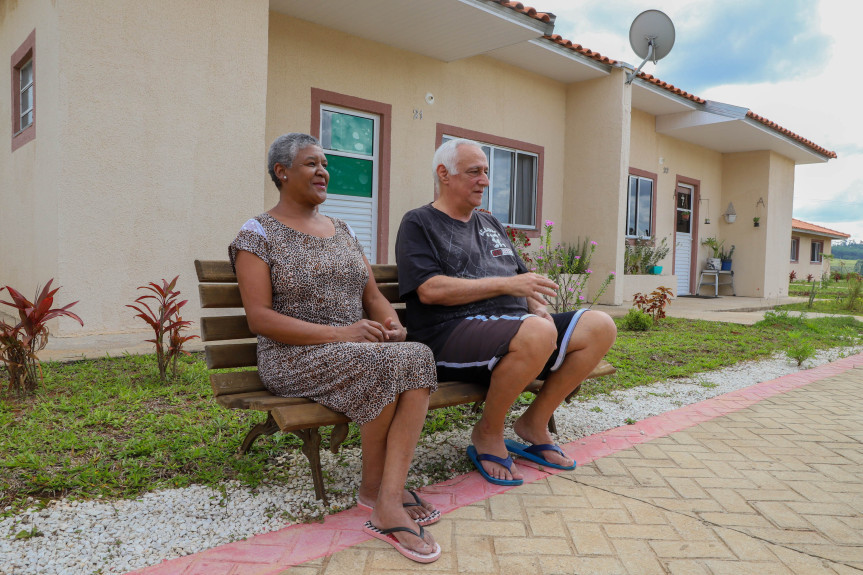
768 479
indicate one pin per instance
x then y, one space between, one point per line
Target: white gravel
114 537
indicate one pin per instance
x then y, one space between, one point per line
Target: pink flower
593 243
614 273
533 269
570 289
578 257
588 271
539 257
549 223
581 298
560 265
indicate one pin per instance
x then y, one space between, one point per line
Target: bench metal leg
339 434
268 427
312 449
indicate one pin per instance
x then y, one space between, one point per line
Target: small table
713 278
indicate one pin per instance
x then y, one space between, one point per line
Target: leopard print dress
321 280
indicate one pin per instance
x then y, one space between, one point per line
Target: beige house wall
30 175
478 93
760 262
147 153
671 159
597 159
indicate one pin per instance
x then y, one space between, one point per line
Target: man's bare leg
591 339
528 352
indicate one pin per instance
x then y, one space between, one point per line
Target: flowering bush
520 242
570 269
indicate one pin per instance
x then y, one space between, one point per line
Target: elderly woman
305 284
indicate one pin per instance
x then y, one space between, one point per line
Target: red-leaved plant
653 304
19 343
166 323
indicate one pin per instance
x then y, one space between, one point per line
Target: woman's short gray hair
447 154
284 150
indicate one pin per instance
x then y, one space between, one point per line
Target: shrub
20 343
855 289
812 294
640 256
637 320
655 303
562 265
520 241
792 276
166 323
800 349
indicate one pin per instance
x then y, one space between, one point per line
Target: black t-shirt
430 243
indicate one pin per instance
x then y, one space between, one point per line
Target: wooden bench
242 389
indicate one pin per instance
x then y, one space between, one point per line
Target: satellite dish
651 36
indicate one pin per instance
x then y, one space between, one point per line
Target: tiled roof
526 10
558 39
807 227
670 87
790 134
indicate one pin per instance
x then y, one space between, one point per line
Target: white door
683 238
350 141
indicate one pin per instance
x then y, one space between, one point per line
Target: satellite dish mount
651 37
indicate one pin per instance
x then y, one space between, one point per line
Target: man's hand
531 285
537 308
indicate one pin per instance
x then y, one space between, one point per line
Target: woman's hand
364 330
394 330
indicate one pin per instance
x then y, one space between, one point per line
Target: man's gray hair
447 155
284 150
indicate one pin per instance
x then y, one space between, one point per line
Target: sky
795 62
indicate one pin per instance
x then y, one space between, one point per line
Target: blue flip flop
477 457
532 453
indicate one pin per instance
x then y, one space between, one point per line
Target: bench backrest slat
219 271
220 328
220 296
231 355
235 382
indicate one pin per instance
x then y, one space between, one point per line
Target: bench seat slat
236 382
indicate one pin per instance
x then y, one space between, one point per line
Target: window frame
820 253
24 55
507 144
795 250
384 111
644 175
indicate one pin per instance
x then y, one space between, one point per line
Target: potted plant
756 221
715 246
725 258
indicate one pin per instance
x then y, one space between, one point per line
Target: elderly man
472 300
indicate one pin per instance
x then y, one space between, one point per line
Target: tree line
848 250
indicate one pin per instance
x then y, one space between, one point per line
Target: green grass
831 290
108 428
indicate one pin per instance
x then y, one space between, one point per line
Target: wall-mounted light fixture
730 215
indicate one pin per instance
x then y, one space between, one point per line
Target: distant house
139 135
809 244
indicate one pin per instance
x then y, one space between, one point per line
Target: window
511 197
639 205
816 251
24 92
795 249
350 141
